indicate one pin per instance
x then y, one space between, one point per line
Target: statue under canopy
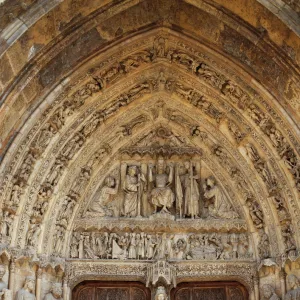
26 293
162 195
161 294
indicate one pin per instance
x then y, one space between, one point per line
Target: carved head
29 283
160 165
109 181
132 170
293 281
187 165
56 290
161 294
267 291
210 181
2 271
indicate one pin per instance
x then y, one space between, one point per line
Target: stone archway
149 141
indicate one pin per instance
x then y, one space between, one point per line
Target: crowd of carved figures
161 187
146 246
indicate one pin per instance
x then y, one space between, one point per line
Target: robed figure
161 195
190 191
133 186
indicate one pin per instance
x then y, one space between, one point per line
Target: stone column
12 270
39 275
256 287
66 290
282 277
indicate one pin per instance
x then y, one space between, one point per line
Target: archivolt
114 91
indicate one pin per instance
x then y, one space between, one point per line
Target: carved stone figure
81 181
33 234
289 242
191 191
159 47
161 294
58 239
6 223
56 171
55 292
268 292
17 192
220 206
133 187
263 244
27 292
5 294
294 285
100 206
162 195
73 146
256 213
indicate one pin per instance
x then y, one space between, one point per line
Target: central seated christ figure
161 195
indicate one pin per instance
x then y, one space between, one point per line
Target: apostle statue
100 206
133 186
294 292
219 206
161 294
161 195
26 293
190 191
55 292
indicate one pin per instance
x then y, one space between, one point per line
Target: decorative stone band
80 270
193 225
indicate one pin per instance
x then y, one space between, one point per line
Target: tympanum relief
161 188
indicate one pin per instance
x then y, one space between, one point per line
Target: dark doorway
209 291
101 290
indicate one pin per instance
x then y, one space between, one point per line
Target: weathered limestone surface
148 137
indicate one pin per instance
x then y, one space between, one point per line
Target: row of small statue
27 292
161 188
268 291
213 246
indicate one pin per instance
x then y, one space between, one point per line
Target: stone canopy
140 138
